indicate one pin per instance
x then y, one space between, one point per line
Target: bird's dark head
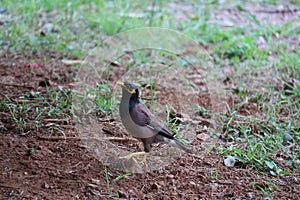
129 87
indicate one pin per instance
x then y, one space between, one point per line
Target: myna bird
141 123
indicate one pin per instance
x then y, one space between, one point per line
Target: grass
115 180
264 60
30 110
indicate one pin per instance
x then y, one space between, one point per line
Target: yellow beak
120 84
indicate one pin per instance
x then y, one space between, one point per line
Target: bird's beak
120 84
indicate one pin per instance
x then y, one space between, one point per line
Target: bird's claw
136 159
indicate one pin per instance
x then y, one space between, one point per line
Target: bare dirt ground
62 168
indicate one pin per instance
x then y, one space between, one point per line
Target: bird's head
129 87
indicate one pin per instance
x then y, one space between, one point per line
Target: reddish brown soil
62 168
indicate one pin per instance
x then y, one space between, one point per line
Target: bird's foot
136 157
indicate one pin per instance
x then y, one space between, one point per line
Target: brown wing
140 115
143 117
160 128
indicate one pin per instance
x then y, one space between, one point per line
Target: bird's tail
179 144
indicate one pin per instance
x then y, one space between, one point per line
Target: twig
26 100
148 99
56 120
225 182
4 113
57 138
14 85
106 120
289 10
279 11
